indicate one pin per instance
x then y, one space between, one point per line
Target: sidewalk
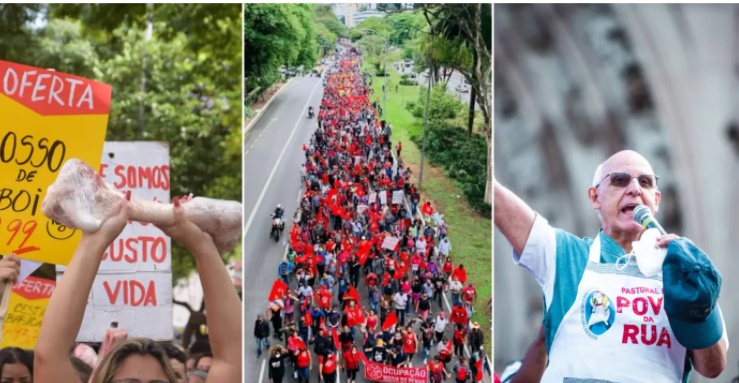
261 106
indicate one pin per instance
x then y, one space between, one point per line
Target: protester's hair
277 349
15 355
134 346
174 352
82 369
203 355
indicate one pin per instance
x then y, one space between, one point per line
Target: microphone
643 216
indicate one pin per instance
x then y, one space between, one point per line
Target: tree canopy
290 35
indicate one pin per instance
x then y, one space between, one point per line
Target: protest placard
389 243
398 197
378 372
373 197
134 283
383 197
48 118
26 312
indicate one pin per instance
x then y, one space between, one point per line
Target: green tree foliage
277 35
325 15
463 158
192 93
377 24
442 105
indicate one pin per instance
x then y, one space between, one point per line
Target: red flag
352 293
337 344
362 257
296 343
390 321
427 209
354 317
308 318
279 290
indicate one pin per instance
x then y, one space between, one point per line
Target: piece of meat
81 199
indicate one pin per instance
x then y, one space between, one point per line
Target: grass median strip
469 232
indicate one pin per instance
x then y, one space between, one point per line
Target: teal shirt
570 262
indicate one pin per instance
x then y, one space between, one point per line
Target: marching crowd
353 232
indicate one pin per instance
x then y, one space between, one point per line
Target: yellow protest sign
26 312
47 118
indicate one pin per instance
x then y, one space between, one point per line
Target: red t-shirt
303 359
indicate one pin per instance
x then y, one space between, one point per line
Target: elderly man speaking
611 315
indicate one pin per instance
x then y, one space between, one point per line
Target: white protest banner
134 283
398 197
373 197
389 243
383 197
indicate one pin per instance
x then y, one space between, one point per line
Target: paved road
272 157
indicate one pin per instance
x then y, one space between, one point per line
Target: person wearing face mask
278 356
350 363
605 319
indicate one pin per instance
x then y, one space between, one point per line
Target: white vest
616 331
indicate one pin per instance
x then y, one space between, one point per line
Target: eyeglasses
621 180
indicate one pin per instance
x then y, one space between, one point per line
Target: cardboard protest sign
383 197
48 118
134 283
25 312
398 197
390 243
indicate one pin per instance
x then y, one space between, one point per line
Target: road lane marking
261 373
277 163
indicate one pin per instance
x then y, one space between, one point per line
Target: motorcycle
278 226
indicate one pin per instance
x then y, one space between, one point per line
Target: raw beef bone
81 199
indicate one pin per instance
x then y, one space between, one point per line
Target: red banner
378 372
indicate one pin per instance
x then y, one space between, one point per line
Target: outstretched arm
224 307
66 308
513 217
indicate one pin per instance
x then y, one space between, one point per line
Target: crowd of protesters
354 233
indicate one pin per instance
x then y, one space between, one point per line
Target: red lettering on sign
656 306
621 302
134 293
645 338
647 334
51 93
35 288
630 333
149 177
664 338
127 250
640 306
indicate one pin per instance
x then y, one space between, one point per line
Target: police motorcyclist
278 215
310 112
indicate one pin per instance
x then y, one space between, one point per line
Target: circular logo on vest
597 313
374 371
